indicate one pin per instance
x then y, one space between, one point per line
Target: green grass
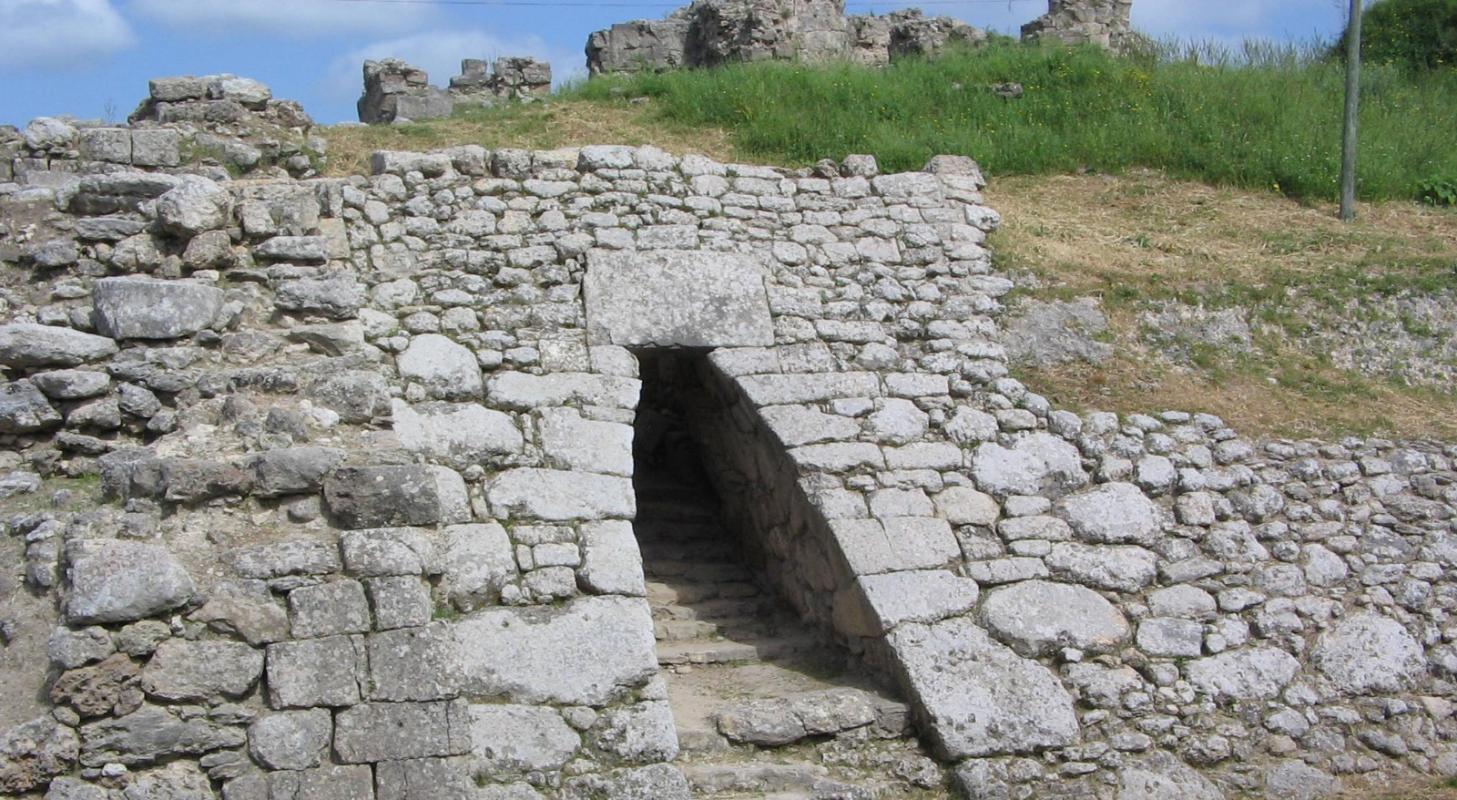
1269 122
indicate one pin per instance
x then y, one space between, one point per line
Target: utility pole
1353 105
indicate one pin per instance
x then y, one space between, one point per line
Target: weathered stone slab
676 298
391 551
181 670
878 603
33 752
293 557
291 739
292 470
585 652
153 733
121 581
478 561
574 443
557 495
1162 776
611 559
770 390
328 609
519 739
980 698
142 308
1035 464
1123 568
23 344
1250 674
315 672
457 435
642 733
392 731
382 497
1113 513
1367 653
445 369
523 391
900 543
23 409
1038 617
322 783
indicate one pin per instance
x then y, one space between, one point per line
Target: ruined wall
394 90
711 32
366 452
1106 23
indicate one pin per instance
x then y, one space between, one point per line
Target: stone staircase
765 706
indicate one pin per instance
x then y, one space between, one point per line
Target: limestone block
458 435
322 783
337 296
557 495
978 697
141 308
328 609
446 369
520 739
584 652
1119 568
413 664
1249 674
246 609
153 733
71 384
378 497
391 551
768 390
291 739
521 391
372 732
611 560
292 470
399 602
656 782
194 206
112 145
23 409
292 557
26 345
156 147
114 580
478 561
1367 653
1113 513
197 671
879 603
1170 637
1039 617
643 733
315 672
902 543
676 298
1162 776
1036 464
796 425
1184 601
574 443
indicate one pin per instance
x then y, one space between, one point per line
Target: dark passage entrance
729 645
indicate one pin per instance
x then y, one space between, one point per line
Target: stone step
713 610
664 593
734 628
759 778
699 571
698 651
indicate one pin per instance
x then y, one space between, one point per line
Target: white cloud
296 18
59 33
440 53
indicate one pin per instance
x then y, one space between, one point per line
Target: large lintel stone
676 298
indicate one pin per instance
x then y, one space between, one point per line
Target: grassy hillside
1139 184
1273 125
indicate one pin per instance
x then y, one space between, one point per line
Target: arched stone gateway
367 451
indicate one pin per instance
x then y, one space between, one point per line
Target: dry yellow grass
1130 238
541 126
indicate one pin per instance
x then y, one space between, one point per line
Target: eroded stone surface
1037 617
676 298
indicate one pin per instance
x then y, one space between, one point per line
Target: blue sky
92 58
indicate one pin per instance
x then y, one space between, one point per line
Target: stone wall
711 32
396 91
219 125
1106 23
365 446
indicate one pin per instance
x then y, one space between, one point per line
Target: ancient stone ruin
217 125
609 473
711 32
1106 23
396 91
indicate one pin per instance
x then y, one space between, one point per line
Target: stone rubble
365 491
